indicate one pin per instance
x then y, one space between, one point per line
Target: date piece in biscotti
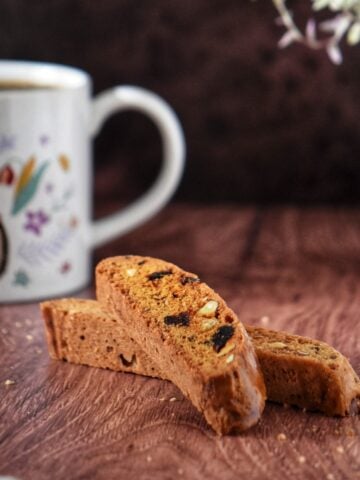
191 335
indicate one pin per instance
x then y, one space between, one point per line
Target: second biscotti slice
306 372
190 333
81 331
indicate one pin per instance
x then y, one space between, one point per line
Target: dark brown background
261 124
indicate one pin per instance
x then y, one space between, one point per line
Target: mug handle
147 205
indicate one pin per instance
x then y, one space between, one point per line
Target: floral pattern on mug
25 179
7 175
21 278
44 139
38 253
28 184
65 268
64 162
7 142
36 221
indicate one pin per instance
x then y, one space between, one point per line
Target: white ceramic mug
47 122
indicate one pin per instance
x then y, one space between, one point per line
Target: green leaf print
24 196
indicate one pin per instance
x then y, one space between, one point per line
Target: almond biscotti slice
191 335
305 372
82 331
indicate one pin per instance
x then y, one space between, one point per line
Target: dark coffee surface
20 85
262 124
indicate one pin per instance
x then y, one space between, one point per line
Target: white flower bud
353 36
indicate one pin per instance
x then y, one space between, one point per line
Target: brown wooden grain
286 268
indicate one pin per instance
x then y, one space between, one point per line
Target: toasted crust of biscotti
297 370
305 372
192 336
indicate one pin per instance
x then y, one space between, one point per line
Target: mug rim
44 74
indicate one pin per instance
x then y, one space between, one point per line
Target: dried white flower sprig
346 23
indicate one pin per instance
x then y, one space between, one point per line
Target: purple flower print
49 188
44 139
7 142
36 221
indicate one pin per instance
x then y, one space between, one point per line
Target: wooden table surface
286 268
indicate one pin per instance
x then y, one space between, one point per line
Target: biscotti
192 336
305 372
297 370
81 331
